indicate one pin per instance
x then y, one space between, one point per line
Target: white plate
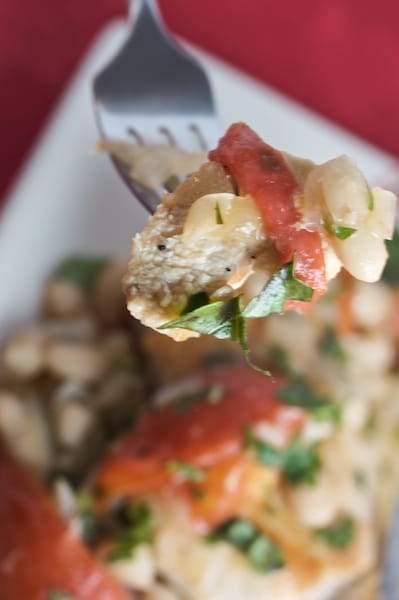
67 201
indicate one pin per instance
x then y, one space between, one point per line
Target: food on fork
253 232
222 484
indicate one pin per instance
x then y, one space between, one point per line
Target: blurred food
70 382
189 474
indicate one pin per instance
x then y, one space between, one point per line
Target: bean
24 354
63 298
81 361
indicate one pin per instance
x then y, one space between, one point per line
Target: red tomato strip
38 554
204 434
261 172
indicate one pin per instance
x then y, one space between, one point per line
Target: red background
339 57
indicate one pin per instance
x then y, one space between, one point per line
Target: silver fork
153 92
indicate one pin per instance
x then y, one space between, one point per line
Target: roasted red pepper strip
39 555
261 172
207 434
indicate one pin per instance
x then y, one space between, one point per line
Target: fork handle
135 7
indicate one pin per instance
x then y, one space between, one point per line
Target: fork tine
153 93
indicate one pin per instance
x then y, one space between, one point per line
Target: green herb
197 493
360 478
371 202
391 271
225 319
60 595
339 231
371 425
219 218
88 519
329 344
219 357
186 470
338 535
281 287
186 400
139 530
299 393
298 463
81 270
279 359
260 550
195 301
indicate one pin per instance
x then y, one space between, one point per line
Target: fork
153 92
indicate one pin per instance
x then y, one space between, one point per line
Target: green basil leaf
219 218
216 318
298 463
260 550
264 555
338 535
60 595
371 202
391 271
339 231
139 530
330 345
299 393
281 286
87 516
279 359
186 470
195 301
81 270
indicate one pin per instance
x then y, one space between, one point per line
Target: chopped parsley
186 470
259 549
360 478
195 301
391 271
60 595
185 400
371 201
338 231
225 319
281 286
338 535
299 393
219 218
219 357
139 530
330 345
298 463
81 270
88 519
279 359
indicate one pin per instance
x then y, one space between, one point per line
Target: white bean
371 305
84 362
24 354
62 298
73 423
362 254
381 220
346 192
221 216
24 428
